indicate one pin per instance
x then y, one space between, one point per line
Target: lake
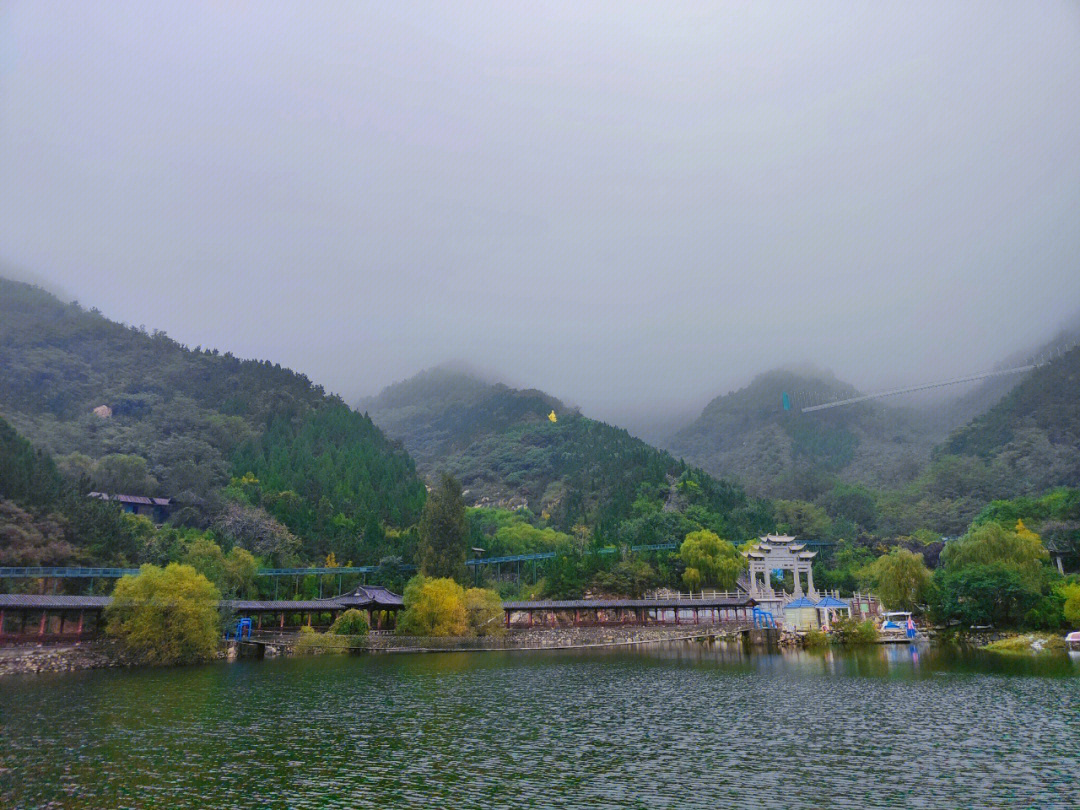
671 726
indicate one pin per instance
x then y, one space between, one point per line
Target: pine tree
444 532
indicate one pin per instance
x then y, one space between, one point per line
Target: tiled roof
605 604
142 500
832 602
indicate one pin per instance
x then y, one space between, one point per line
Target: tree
433 607
205 556
254 529
899 578
627 578
802 519
126 474
484 612
1021 550
350 623
165 616
444 532
992 594
240 570
716 562
1071 607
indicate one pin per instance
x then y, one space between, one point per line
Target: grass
1028 644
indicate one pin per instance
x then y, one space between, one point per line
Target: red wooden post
44 617
577 617
1 622
530 618
676 615
508 618
78 630
259 620
282 623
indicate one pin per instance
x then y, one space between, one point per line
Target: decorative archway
780 552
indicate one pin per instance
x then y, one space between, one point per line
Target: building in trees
157 509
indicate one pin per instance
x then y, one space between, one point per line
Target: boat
898 625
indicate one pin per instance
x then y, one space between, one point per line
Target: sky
633 206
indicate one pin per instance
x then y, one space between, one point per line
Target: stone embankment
548 638
61 657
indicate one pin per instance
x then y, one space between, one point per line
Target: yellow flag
552 417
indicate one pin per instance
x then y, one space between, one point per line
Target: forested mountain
573 474
748 434
124 410
443 410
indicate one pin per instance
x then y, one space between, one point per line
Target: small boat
897 625
1072 641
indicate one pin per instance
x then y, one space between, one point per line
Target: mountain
502 446
442 411
748 434
1033 432
128 411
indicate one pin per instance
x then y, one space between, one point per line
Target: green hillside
1039 418
573 474
128 411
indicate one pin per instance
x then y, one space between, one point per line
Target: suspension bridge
513 560
786 399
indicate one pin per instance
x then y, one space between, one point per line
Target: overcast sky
631 206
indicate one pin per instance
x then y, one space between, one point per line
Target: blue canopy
833 602
801 602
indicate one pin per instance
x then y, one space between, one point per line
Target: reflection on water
658 727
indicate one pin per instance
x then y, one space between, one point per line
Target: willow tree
433 607
900 579
710 561
1019 549
165 615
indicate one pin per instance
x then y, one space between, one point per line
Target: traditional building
157 509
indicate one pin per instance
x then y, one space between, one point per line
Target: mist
634 208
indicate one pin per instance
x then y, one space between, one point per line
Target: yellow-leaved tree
165 615
433 607
484 612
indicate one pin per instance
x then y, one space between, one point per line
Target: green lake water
659 727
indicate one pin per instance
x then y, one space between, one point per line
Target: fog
633 207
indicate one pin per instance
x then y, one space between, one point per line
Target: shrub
815 638
350 623
309 642
165 616
848 630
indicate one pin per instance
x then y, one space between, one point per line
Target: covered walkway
599 612
31 617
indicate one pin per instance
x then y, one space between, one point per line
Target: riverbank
38 658
102 653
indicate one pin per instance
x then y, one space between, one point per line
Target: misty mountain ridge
506 451
749 435
444 409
